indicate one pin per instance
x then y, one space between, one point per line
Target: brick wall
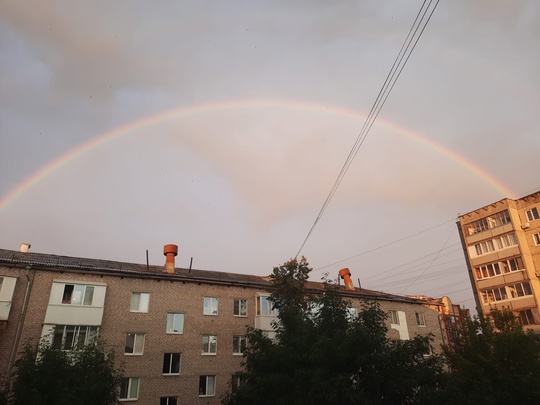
166 296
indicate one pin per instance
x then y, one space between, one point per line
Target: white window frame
498 268
236 381
175 323
170 361
527 316
490 222
168 401
209 385
532 214
394 317
493 245
265 307
209 345
239 344
240 307
210 306
507 292
80 294
133 383
141 304
138 344
420 319
536 238
75 335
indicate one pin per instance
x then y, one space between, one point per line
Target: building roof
501 201
50 262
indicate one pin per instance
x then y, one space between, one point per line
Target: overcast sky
221 126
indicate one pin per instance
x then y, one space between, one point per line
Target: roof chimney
345 274
170 251
25 247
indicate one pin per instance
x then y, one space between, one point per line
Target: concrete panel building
179 331
501 242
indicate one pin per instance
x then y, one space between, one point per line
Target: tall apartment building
179 331
501 242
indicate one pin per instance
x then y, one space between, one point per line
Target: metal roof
50 262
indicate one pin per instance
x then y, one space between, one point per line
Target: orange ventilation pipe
170 251
345 274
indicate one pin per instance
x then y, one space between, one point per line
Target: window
77 294
498 268
520 290
496 294
264 306
236 382
209 344
484 247
506 240
207 385
239 344
134 343
351 314
536 238
67 337
532 214
493 221
171 363
492 245
175 323
129 388
526 317
394 317
240 307
210 306
508 292
139 302
168 401
420 319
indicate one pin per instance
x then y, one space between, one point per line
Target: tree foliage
493 360
322 355
87 375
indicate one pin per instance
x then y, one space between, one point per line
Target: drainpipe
469 267
20 324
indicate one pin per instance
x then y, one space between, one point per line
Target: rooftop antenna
190 263
147 265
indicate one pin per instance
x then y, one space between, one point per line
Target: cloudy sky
221 126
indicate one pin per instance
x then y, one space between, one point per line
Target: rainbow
176 113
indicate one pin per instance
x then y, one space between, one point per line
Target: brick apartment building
180 331
501 242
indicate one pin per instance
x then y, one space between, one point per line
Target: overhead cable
401 60
429 265
385 245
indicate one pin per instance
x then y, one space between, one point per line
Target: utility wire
385 245
387 87
429 265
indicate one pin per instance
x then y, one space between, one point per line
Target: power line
435 258
385 245
384 92
413 269
439 274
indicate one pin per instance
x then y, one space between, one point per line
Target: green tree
87 375
323 355
493 360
